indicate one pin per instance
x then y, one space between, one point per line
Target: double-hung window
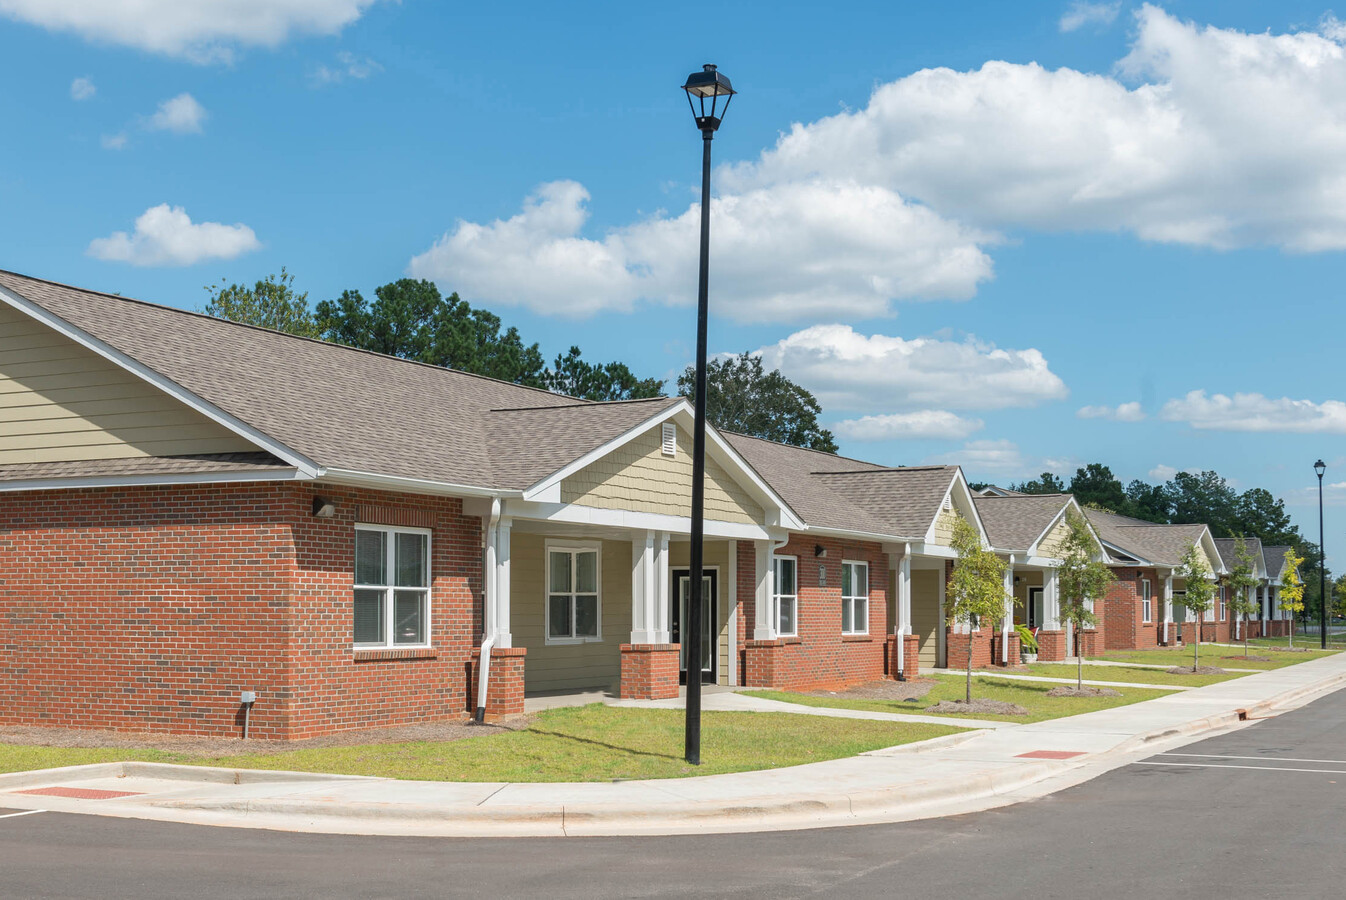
854 598
573 610
392 586
1224 603
1146 608
785 601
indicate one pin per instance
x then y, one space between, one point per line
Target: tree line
410 319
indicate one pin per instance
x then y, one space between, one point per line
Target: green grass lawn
588 743
1135 675
1213 655
1032 696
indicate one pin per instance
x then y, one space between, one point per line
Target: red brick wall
147 609
1051 645
151 608
504 688
1122 611
823 657
747 603
650 671
957 648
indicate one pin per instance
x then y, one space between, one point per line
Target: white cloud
1082 13
201 31
1124 412
180 115
1256 413
1207 136
979 458
926 423
1164 472
348 65
165 236
113 141
847 370
82 89
790 252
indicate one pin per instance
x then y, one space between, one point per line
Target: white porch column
1051 601
645 590
899 563
663 591
1168 604
731 592
764 629
497 583
1007 623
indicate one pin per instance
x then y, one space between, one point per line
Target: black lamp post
1320 467
708 84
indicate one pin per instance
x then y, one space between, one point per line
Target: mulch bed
1292 649
884 690
1251 658
978 707
1199 670
215 746
1066 691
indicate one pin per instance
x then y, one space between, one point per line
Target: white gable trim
958 489
1060 516
115 481
717 448
307 466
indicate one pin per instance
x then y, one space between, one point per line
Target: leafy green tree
1200 592
976 592
1046 483
1258 514
1338 607
742 397
599 381
1081 580
1147 501
270 303
1292 588
1238 582
401 321
1202 499
1095 485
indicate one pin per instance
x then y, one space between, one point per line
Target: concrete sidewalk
959 773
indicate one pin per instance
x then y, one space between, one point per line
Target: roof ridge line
584 404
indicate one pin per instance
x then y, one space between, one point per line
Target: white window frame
777 596
852 600
390 590
1224 603
1146 602
572 547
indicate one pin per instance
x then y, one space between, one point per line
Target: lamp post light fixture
704 90
1320 467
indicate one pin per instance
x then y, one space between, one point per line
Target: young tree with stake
1239 581
1081 579
1292 588
1200 594
976 592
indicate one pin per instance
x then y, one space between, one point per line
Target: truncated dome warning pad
80 793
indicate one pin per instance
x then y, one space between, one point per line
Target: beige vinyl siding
60 402
715 555
1053 545
638 477
925 614
552 667
944 527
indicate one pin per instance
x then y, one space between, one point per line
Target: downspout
491 588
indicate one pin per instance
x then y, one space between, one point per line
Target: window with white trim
785 599
392 587
574 610
1224 603
1146 607
854 597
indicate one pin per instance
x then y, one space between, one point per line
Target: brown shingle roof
1015 522
341 407
1227 547
215 464
1274 557
1162 545
906 500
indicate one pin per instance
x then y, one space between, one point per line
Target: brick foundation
911 649
650 671
504 689
957 644
1051 645
1005 660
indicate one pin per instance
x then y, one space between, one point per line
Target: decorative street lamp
1320 467
708 84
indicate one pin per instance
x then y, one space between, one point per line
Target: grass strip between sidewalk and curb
1135 675
576 744
1216 655
1030 695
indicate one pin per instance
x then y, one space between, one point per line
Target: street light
1320 467
706 86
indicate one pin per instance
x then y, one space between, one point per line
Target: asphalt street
1253 813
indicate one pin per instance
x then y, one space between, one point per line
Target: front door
1034 610
682 583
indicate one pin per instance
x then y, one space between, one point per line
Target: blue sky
1130 252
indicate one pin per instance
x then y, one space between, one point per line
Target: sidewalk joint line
494 792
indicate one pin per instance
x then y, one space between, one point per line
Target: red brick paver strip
1051 754
80 793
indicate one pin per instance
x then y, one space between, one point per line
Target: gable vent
670 439
948 502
